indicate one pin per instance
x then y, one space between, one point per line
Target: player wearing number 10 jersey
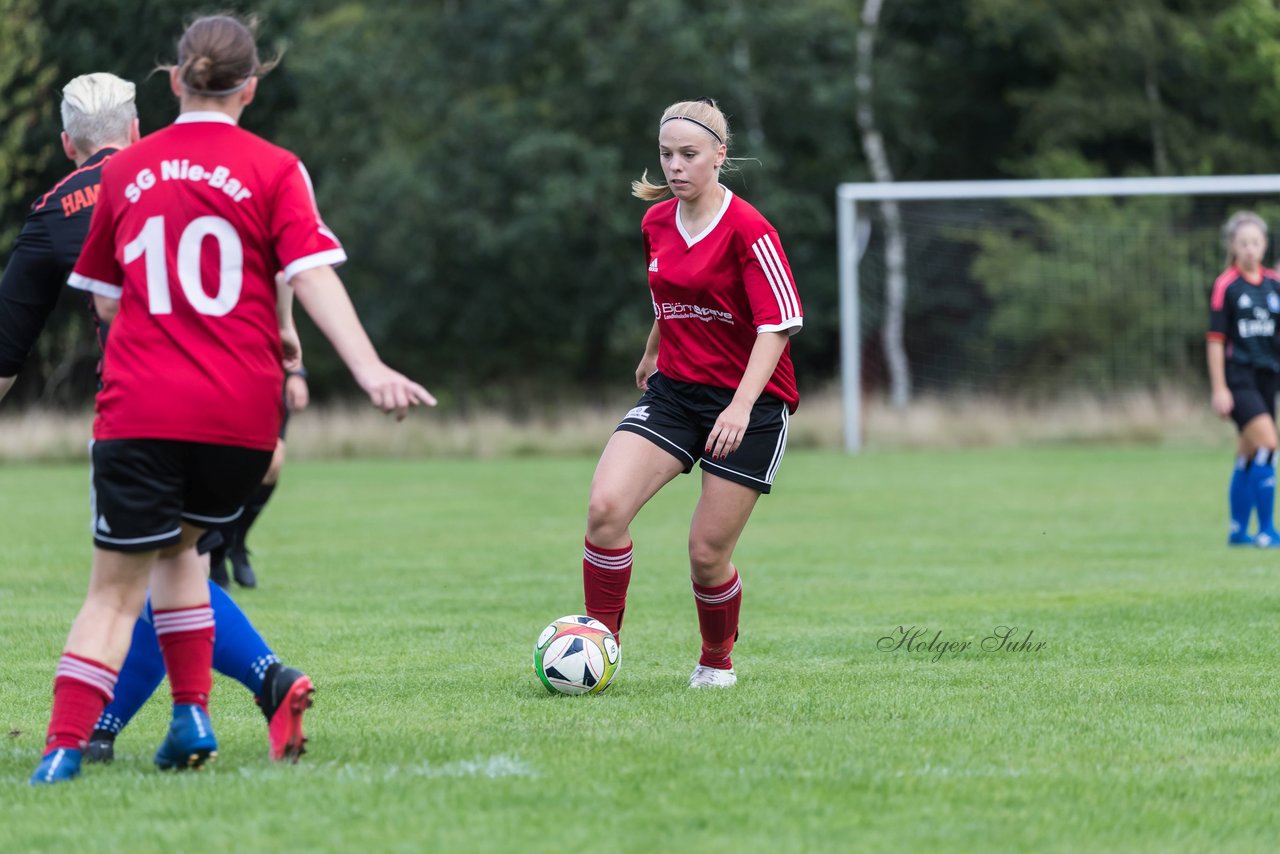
190 226
222 210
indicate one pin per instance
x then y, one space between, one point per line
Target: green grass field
413 591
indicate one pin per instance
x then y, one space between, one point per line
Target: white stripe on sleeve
788 287
95 286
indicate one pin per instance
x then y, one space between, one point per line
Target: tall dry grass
1162 417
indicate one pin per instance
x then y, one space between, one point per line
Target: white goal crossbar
849 195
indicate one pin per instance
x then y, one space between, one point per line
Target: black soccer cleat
241 568
286 695
218 569
102 747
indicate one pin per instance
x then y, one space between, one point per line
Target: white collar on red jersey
711 226
204 116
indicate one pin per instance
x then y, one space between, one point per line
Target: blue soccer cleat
1240 538
57 766
190 742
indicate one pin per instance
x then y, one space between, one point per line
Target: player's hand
647 368
391 391
296 392
730 427
291 348
1223 402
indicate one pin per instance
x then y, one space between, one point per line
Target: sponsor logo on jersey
1273 302
639 413
1244 302
682 311
653 265
1262 325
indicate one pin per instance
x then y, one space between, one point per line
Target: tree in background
476 160
25 87
475 157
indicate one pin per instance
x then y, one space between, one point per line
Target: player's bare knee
707 562
606 519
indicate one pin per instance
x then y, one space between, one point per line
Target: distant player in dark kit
1244 363
717 379
99 119
190 226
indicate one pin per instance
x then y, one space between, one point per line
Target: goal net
1030 289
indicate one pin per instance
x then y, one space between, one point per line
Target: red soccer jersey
190 227
714 292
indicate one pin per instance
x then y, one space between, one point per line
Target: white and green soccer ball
576 655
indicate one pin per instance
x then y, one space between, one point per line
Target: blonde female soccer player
717 380
1244 362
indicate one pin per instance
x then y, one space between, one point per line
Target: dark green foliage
475 157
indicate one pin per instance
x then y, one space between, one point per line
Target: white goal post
851 243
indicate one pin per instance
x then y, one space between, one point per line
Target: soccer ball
576 655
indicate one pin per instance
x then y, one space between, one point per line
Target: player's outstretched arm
323 296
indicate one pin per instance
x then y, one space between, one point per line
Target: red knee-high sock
82 688
718 609
605 576
186 642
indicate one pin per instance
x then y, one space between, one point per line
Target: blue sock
238 650
1262 482
1240 497
140 675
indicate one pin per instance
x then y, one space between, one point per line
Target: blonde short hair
98 109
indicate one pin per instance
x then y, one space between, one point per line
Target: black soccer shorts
678 417
144 488
1254 393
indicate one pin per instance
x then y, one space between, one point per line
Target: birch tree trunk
895 295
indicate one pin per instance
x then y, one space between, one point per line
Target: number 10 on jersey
150 246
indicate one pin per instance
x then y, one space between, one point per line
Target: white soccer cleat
711 677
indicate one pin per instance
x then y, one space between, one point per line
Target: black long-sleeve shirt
42 258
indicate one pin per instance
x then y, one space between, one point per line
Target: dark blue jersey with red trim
1242 314
42 258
